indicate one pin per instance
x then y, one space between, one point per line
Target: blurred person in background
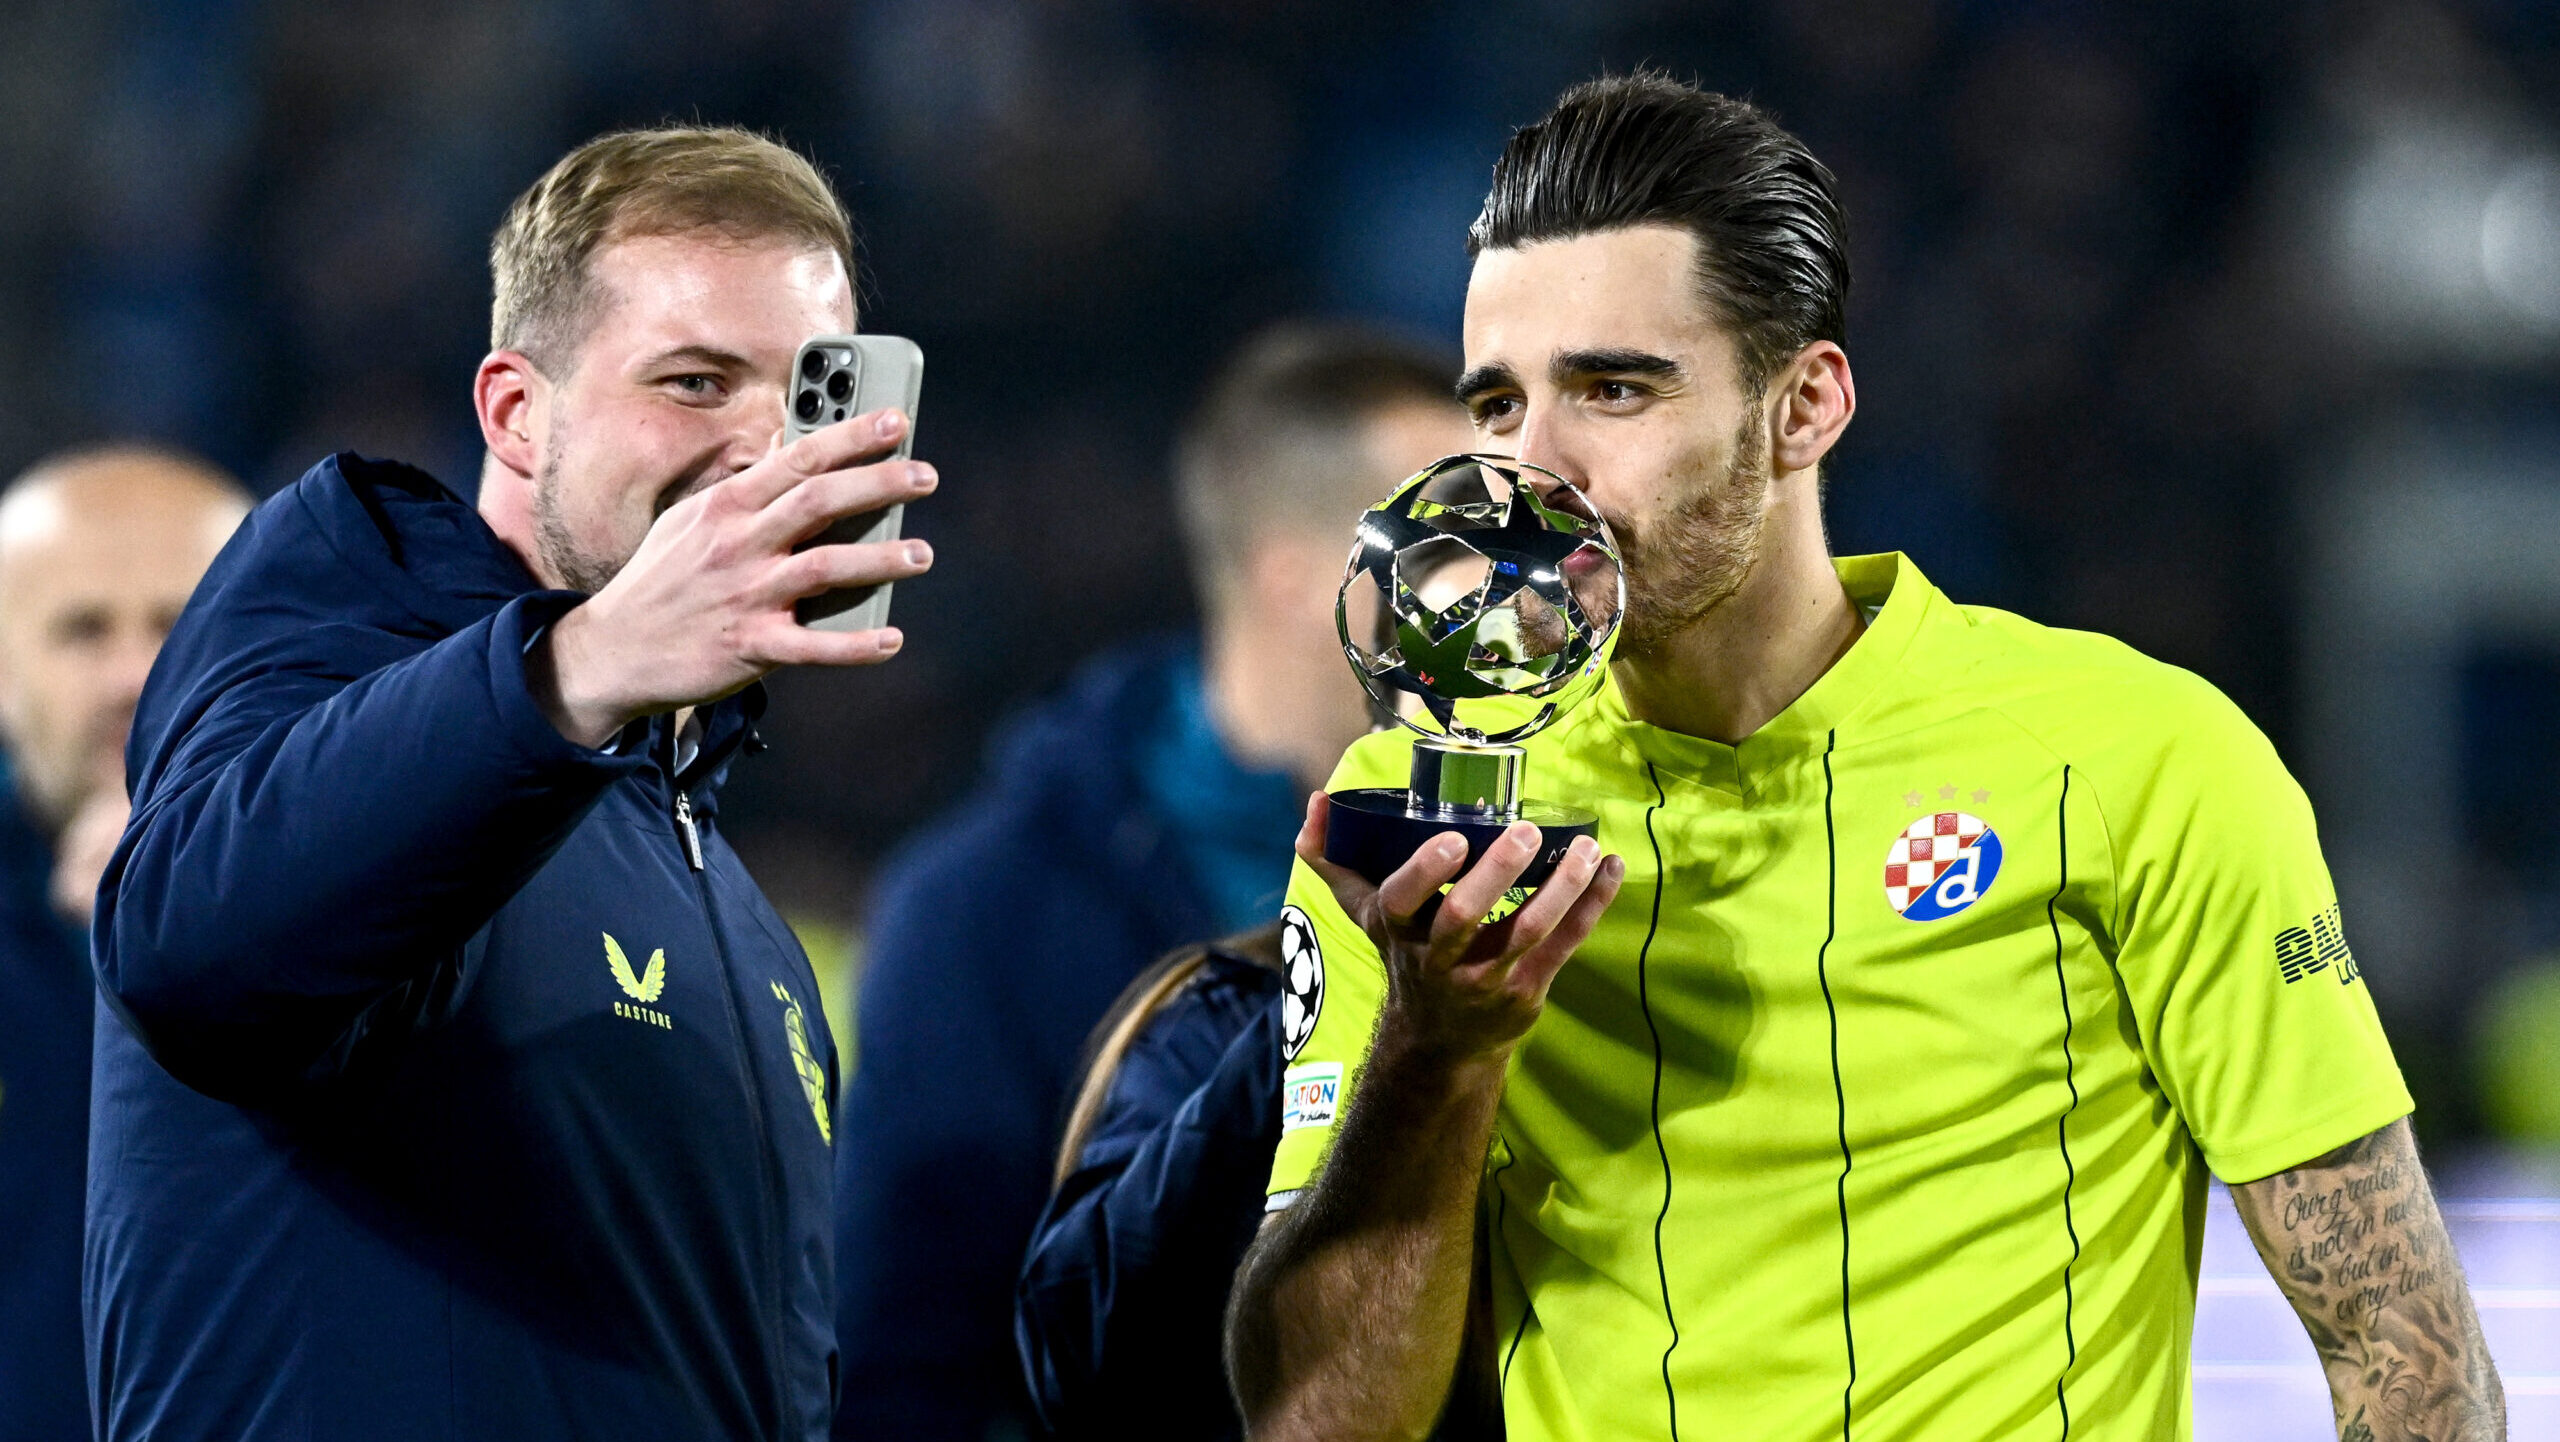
461 1083
99 549
1159 1189
1147 807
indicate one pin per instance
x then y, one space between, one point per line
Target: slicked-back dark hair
1644 149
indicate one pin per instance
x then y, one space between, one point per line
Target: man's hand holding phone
706 604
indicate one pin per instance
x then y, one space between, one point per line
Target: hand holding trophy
1480 578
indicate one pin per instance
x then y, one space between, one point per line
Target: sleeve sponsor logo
2304 951
1309 1095
1940 865
1302 972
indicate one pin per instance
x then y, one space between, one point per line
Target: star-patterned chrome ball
1481 576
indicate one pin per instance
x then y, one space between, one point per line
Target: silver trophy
1480 578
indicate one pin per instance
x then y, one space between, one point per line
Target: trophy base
1374 830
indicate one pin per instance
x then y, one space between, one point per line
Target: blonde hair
631 183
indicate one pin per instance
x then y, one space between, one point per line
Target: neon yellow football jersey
1880 1103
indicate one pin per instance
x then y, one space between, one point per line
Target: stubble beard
1692 560
577 568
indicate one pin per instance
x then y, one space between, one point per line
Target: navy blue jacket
45 1001
443 1090
1000 936
1123 1295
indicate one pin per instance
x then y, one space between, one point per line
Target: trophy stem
1471 789
1457 778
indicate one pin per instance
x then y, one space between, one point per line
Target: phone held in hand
834 378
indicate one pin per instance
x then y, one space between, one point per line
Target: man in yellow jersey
1865 1079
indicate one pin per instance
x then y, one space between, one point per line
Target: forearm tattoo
2355 1241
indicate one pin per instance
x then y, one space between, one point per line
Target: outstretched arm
2356 1243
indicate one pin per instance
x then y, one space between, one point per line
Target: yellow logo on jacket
813 1077
643 987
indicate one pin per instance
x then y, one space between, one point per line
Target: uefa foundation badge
1940 865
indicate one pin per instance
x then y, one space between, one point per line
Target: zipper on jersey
685 831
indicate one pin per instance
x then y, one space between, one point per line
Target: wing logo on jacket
813 1077
643 987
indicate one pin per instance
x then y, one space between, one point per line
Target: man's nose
754 431
1547 442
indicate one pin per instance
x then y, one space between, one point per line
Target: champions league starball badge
1481 577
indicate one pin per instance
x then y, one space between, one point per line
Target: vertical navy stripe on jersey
2062 1127
1670 1398
1500 1208
1839 1096
1528 1313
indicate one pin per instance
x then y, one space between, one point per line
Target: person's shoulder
1055 766
1216 1004
350 503
2087 696
367 542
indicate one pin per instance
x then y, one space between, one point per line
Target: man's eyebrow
1484 378
709 357
1570 363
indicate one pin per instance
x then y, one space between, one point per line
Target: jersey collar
1902 598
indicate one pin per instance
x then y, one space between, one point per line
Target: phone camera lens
813 364
839 386
807 405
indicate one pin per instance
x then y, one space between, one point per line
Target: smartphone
834 378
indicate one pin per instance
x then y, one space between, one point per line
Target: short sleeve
1335 987
2232 949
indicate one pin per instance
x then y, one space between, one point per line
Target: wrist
568 675
1404 1046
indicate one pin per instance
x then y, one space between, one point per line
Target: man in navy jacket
1149 806
454 1080
98 550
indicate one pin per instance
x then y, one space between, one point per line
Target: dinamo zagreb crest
1940 865
1302 976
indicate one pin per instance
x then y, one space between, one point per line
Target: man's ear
508 393
1814 397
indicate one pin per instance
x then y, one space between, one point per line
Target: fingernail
1448 847
918 553
890 424
891 638
1584 848
922 477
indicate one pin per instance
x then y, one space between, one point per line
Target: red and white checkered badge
1940 865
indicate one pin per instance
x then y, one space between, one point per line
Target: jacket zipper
689 838
685 831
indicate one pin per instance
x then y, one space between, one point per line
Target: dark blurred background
2229 329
